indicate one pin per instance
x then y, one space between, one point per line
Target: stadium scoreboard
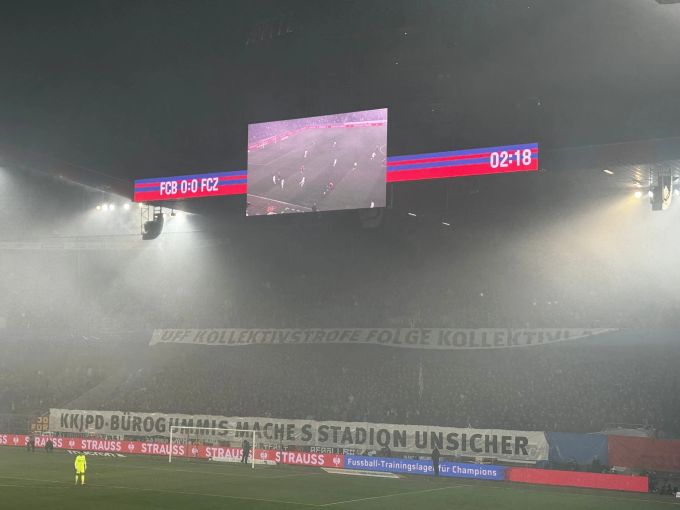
327 163
332 162
463 163
190 186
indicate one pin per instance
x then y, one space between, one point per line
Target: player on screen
81 466
355 166
335 162
306 152
373 156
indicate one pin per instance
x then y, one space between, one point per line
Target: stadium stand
536 388
539 388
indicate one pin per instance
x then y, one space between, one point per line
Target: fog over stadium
505 327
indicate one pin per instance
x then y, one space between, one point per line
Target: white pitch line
305 147
280 201
23 479
279 157
235 475
395 495
170 470
191 493
33 486
552 490
163 491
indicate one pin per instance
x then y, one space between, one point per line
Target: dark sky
150 88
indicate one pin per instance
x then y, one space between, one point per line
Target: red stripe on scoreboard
191 186
463 163
414 167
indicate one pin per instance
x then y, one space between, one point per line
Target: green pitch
45 482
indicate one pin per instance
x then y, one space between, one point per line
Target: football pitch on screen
46 481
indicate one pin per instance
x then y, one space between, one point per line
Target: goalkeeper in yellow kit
81 467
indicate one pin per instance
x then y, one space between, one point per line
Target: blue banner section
424 467
579 448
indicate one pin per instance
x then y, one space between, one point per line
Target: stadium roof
103 92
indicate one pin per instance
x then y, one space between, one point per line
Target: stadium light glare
99 207
676 192
650 194
637 194
112 207
126 206
608 172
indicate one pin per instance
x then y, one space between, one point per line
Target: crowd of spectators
548 388
317 283
264 130
485 274
35 376
570 388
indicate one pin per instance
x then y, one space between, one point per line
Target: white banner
421 338
510 445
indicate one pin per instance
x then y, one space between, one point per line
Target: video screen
327 163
